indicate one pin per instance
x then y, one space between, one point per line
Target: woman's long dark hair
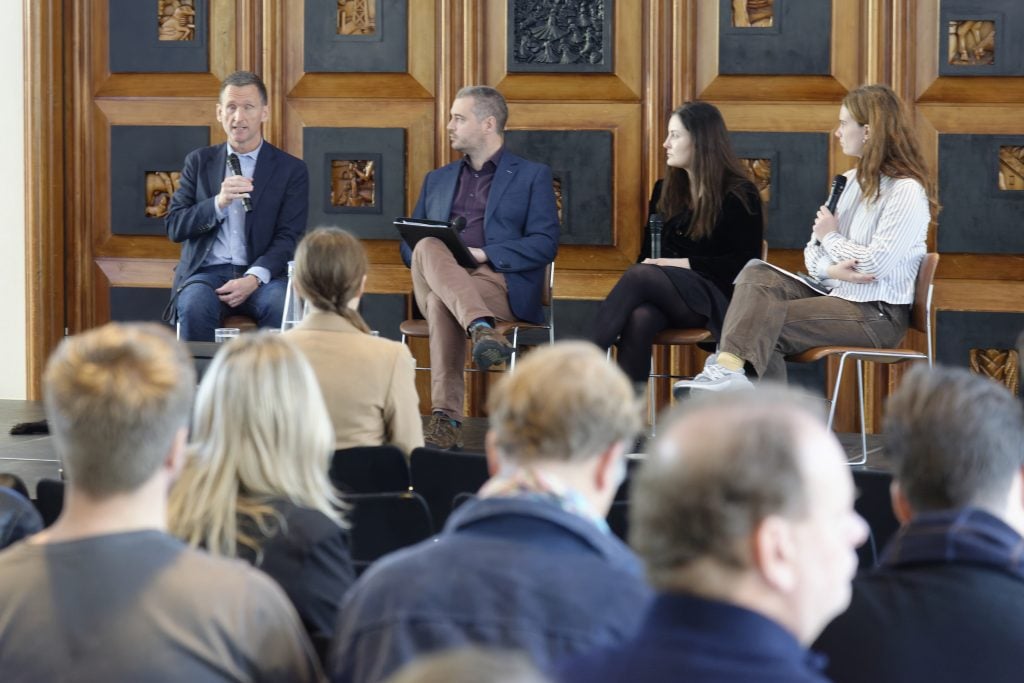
714 173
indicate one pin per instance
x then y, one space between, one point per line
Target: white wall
12 199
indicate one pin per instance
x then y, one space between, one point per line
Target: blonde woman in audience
255 485
367 382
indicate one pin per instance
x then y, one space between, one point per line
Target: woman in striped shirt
867 254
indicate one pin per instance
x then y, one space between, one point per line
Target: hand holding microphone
825 221
235 186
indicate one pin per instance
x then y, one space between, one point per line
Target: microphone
838 185
459 223
236 168
654 226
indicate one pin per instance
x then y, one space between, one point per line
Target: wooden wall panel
665 52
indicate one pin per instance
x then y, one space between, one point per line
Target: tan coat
368 382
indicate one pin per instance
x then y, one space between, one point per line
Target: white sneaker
713 377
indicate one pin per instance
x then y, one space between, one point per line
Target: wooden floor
32 457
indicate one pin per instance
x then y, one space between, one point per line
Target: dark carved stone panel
981 38
377 200
581 163
979 339
338 40
978 216
572 36
795 42
145 163
159 36
798 172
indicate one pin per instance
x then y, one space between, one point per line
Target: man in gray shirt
105 593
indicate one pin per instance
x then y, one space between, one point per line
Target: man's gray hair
721 465
487 102
564 402
954 439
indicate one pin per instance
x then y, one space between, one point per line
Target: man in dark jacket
743 514
947 601
531 564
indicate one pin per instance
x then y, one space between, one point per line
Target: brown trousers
772 316
450 298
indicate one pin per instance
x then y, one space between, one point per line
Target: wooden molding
44 185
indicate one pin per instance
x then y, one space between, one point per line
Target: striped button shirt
885 236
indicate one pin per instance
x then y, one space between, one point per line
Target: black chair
439 476
385 522
874 505
618 519
369 469
49 499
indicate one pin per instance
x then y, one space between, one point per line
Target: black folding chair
439 476
370 469
49 499
385 522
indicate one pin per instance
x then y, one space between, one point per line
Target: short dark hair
701 497
953 438
240 79
487 102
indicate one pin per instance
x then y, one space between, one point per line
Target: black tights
642 303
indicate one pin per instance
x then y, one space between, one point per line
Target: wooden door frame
45 125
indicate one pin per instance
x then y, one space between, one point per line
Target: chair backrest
49 499
547 294
385 522
920 313
439 476
370 469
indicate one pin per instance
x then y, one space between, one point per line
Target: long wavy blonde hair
260 432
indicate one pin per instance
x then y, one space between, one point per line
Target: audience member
946 602
330 275
866 255
470 665
511 228
531 564
714 227
18 517
743 514
13 482
255 485
238 229
105 594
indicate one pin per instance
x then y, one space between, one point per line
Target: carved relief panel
177 19
560 35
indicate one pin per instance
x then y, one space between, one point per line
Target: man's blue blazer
280 207
520 225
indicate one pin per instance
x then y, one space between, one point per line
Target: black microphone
236 168
838 185
459 223
654 226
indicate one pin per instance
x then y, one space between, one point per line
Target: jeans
200 310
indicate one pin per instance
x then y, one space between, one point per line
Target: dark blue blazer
280 207
520 225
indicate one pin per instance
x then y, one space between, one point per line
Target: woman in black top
714 227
